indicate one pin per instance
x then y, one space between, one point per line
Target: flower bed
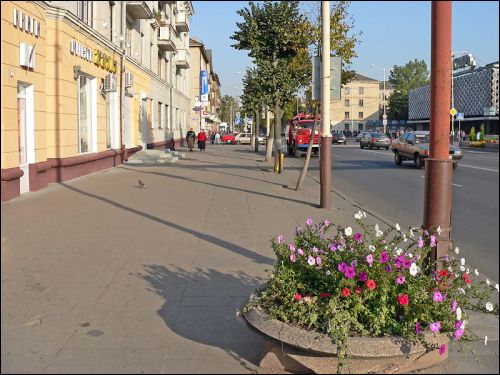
371 283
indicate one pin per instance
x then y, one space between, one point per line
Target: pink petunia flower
433 241
420 243
454 305
384 257
369 259
300 251
417 328
435 327
363 277
437 297
358 237
309 221
311 260
291 247
458 333
293 258
280 239
318 261
350 272
400 279
342 267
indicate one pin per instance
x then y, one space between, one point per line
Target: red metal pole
438 167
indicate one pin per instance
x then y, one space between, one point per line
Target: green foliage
472 135
405 78
347 284
228 102
481 137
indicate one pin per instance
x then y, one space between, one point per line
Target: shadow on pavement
206 312
206 237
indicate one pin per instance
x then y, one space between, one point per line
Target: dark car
338 138
415 146
375 139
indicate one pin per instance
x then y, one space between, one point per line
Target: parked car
338 138
229 138
415 146
360 135
375 139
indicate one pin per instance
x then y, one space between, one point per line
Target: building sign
489 111
204 86
26 23
465 61
99 58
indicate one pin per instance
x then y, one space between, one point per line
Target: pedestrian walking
463 135
478 136
190 138
212 138
202 139
217 138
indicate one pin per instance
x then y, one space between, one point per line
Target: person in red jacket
202 139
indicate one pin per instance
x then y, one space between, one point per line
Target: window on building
159 119
346 114
84 11
361 90
167 114
347 90
361 102
84 114
347 102
360 115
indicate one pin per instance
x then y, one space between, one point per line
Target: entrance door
22 137
128 136
143 120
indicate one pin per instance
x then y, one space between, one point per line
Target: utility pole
326 136
438 167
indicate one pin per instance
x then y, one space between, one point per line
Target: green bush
472 135
373 283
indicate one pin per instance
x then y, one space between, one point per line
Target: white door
144 114
22 137
128 136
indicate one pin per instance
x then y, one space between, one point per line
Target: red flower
297 296
323 295
370 284
346 292
403 299
443 273
467 280
358 290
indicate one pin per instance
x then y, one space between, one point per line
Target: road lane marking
367 163
484 169
452 183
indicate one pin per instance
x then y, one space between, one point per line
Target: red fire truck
298 134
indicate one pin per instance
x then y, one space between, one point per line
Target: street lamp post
384 117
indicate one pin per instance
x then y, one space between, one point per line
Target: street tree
253 99
342 43
228 105
405 78
274 36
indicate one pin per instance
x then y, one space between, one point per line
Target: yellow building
85 84
359 104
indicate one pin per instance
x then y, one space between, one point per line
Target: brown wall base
61 169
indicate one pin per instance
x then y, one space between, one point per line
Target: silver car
375 139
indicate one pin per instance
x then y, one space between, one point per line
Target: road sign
238 115
384 116
384 122
453 111
460 116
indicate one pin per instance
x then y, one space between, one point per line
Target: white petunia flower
413 269
348 231
327 273
496 287
456 250
364 214
371 248
358 215
476 272
399 251
462 268
409 255
467 271
398 228
376 227
464 323
462 261
489 306
411 233
450 269
379 233
439 230
461 290
459 313
485 340
488 281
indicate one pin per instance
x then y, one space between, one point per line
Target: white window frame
92 115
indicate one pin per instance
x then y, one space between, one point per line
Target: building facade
205 108
89 83
359 104
475 94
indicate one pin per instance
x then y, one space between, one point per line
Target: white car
246 138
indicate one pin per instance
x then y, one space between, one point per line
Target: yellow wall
62 117
12 72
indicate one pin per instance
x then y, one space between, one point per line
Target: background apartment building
89 82
207 118
359 103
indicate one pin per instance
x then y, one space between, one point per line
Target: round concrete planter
294 349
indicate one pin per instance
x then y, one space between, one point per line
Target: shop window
84 114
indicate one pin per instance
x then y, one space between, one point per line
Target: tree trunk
309 149
256 132
277 129
270 142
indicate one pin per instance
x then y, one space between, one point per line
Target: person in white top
217 138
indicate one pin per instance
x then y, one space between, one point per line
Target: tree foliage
227 102
405 78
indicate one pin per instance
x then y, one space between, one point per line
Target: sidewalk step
152 157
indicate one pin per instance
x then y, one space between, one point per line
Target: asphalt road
371 179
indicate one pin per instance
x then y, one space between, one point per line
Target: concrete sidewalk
101 276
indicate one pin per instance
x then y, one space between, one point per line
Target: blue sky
393 34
